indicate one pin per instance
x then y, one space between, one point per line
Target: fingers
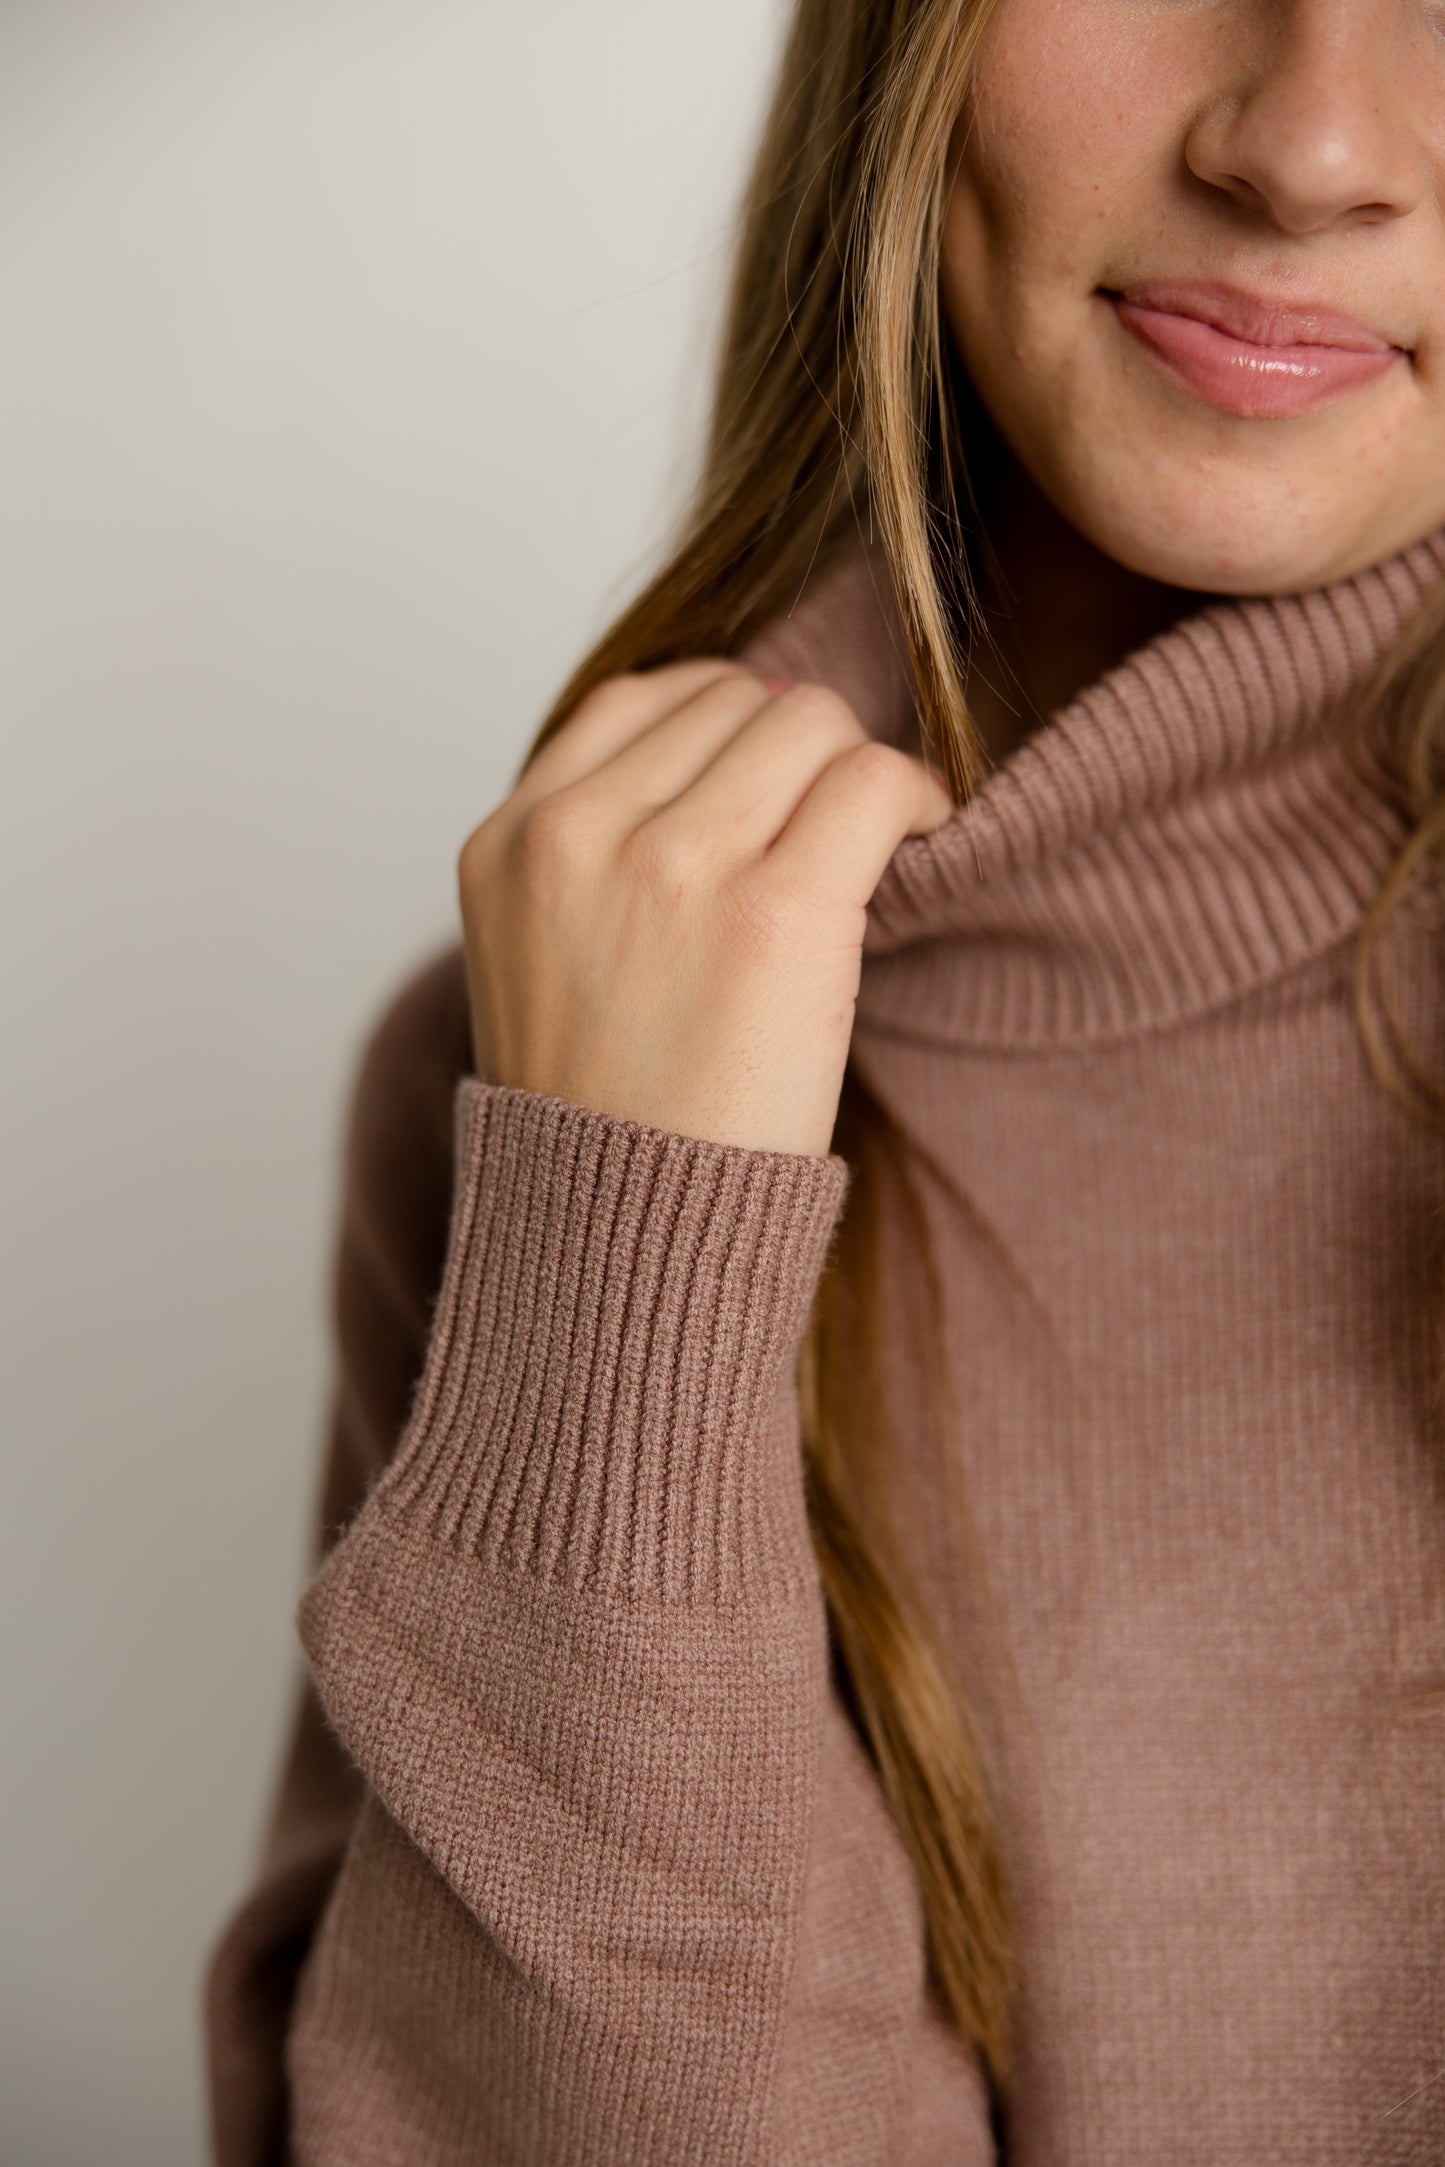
849 823
706 752
614 716
746 792
663 766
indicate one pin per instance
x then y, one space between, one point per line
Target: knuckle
876 766
663 859
560 830
478 852
614 695
819 708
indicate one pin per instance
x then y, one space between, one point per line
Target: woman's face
1194 263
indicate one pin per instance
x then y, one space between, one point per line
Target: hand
664 920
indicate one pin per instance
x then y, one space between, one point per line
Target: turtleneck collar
1202 820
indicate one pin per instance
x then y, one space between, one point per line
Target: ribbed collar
1205 818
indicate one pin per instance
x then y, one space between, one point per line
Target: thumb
934 800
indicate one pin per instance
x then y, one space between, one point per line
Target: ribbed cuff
620 1308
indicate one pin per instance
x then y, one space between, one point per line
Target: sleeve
575 1855
387 1260
575 1642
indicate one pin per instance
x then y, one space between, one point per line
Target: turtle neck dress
575 1855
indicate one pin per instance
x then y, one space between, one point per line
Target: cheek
1063 135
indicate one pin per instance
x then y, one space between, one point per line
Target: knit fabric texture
575 1855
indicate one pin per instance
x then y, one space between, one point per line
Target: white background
352 359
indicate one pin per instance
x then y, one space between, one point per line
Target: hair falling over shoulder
833 414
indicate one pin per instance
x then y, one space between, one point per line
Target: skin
664 921
1295 148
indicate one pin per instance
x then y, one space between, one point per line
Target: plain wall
352 361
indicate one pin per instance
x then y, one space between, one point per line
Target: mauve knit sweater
575 1856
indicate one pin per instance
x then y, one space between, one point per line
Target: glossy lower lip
1241 377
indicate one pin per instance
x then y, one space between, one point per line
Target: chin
1223 550
1206 529
1235 507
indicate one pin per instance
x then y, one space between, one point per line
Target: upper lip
1257 318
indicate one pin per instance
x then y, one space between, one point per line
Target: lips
1250 355
1259 322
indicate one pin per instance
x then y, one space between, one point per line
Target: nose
1319 126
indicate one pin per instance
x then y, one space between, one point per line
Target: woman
881 1585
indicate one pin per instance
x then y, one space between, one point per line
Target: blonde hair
833 413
